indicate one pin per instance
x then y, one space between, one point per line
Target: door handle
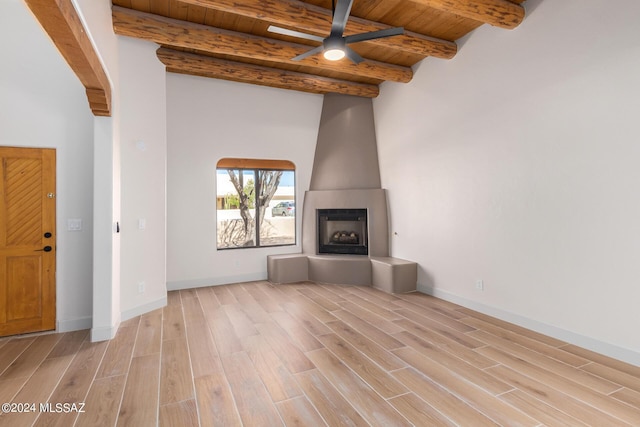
45 249
47 235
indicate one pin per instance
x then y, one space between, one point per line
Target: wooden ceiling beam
173 32
61 22
316 20
499 13
206 66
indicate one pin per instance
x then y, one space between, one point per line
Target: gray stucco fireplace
345 226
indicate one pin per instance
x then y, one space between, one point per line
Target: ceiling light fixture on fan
334 47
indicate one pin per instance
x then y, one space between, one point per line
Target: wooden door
27 240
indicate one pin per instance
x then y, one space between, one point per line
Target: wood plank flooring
306 354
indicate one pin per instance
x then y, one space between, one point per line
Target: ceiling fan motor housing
334 48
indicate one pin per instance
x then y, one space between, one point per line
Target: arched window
250 189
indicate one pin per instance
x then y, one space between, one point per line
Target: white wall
96 17
130 177
43 104
143 150
517 163
206 121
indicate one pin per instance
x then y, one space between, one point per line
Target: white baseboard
214 281
589 343
145 308
109 332
74 324
104 333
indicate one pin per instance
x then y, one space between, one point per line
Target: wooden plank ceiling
228 39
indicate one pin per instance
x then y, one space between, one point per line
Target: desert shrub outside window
255 203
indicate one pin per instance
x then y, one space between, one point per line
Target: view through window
250 189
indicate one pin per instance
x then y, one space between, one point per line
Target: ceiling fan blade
374 35
308 53
293 33
340 17
352 55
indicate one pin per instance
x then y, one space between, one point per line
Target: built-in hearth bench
392 275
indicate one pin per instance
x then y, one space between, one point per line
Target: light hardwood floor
255 354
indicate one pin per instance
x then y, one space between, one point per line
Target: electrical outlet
141 286
479 285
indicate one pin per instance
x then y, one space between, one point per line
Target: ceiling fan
334 47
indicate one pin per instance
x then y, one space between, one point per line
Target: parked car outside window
284 209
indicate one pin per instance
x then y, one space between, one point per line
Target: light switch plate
74 224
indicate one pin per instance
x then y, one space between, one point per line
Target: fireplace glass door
342 231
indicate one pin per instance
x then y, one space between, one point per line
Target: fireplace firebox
342 231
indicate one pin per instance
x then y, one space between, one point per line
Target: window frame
256 166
